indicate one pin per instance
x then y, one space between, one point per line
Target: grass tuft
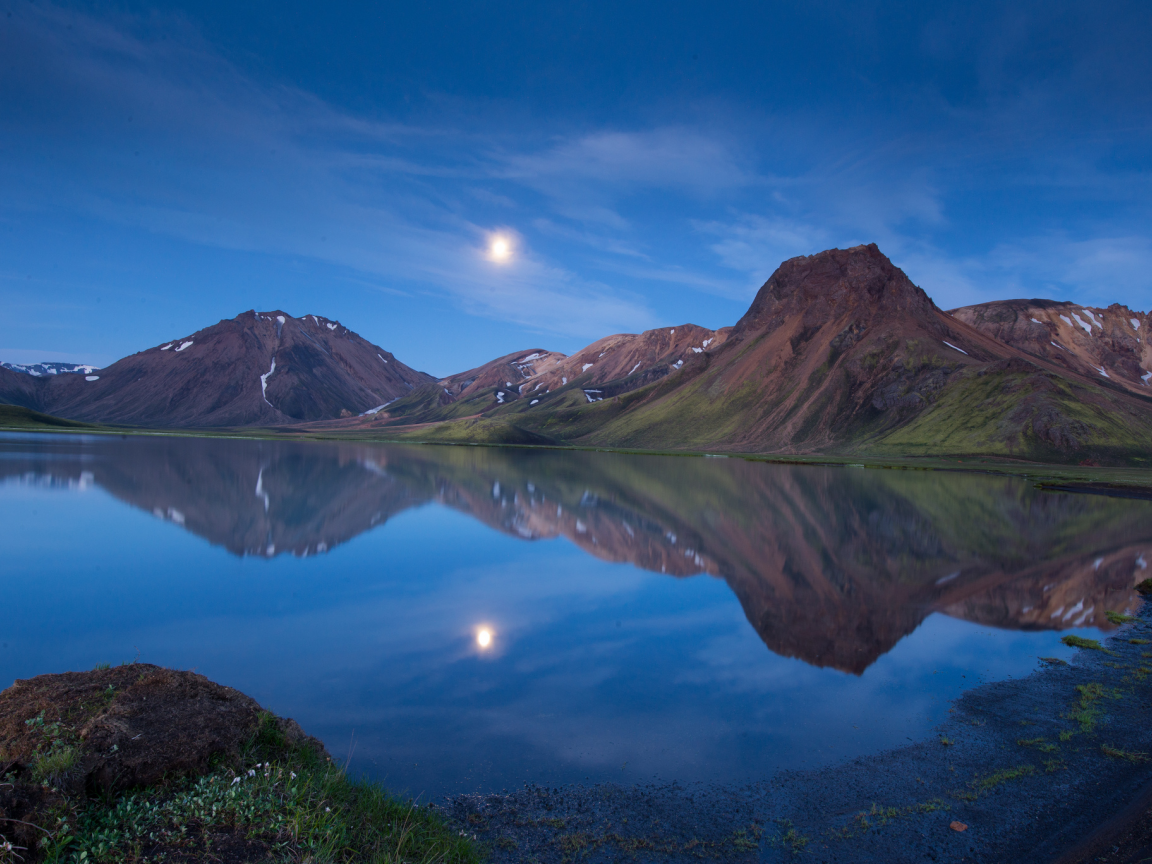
299 807
1117 753
1073 641
1117 618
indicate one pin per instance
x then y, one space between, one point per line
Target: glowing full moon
484 637
501 249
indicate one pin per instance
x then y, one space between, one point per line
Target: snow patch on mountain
37 370
264 383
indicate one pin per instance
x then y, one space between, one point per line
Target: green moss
301 806
1117 618
1117 753
1040 744
983 785
1073 641
53 765
1087 710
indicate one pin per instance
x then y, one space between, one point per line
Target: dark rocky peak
827 285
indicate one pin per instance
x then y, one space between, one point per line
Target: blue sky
166 165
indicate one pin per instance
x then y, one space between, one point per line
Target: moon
500 249
484 637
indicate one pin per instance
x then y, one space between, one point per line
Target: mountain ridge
257 369
839 353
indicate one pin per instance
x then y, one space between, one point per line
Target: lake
461 619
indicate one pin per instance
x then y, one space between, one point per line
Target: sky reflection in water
348 586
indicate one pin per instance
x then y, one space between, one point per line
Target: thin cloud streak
151 130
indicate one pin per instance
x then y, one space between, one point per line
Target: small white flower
251 772
292 774
327 809
235 780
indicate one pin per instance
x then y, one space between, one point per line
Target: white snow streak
91 377
586 367
165 347
677 364
1067 320
1061 347
1135 323
1089 313
1035 321
380 407
1145 378
500 398
381 358
184 345
564 380
707 342
1087 327
533 402
698 350
634 368
264 383
280 318
332 326
950 345
1100 369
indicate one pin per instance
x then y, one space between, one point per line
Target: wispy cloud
145 126
276 171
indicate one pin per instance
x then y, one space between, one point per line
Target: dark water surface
650 617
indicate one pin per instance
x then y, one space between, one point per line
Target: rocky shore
1054 767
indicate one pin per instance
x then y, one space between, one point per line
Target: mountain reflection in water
831 565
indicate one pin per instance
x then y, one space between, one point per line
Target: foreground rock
78 735
134 725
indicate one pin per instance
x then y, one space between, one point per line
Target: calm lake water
648 617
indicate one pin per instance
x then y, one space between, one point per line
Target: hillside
257 369
1110 343
841 353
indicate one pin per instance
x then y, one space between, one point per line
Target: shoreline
1052 767
1038 769
1112 481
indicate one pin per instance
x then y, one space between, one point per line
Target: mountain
36 370
1110 343
831 566
625 361
257 369
841 353
628 360
473 392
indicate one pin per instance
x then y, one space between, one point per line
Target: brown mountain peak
830 284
